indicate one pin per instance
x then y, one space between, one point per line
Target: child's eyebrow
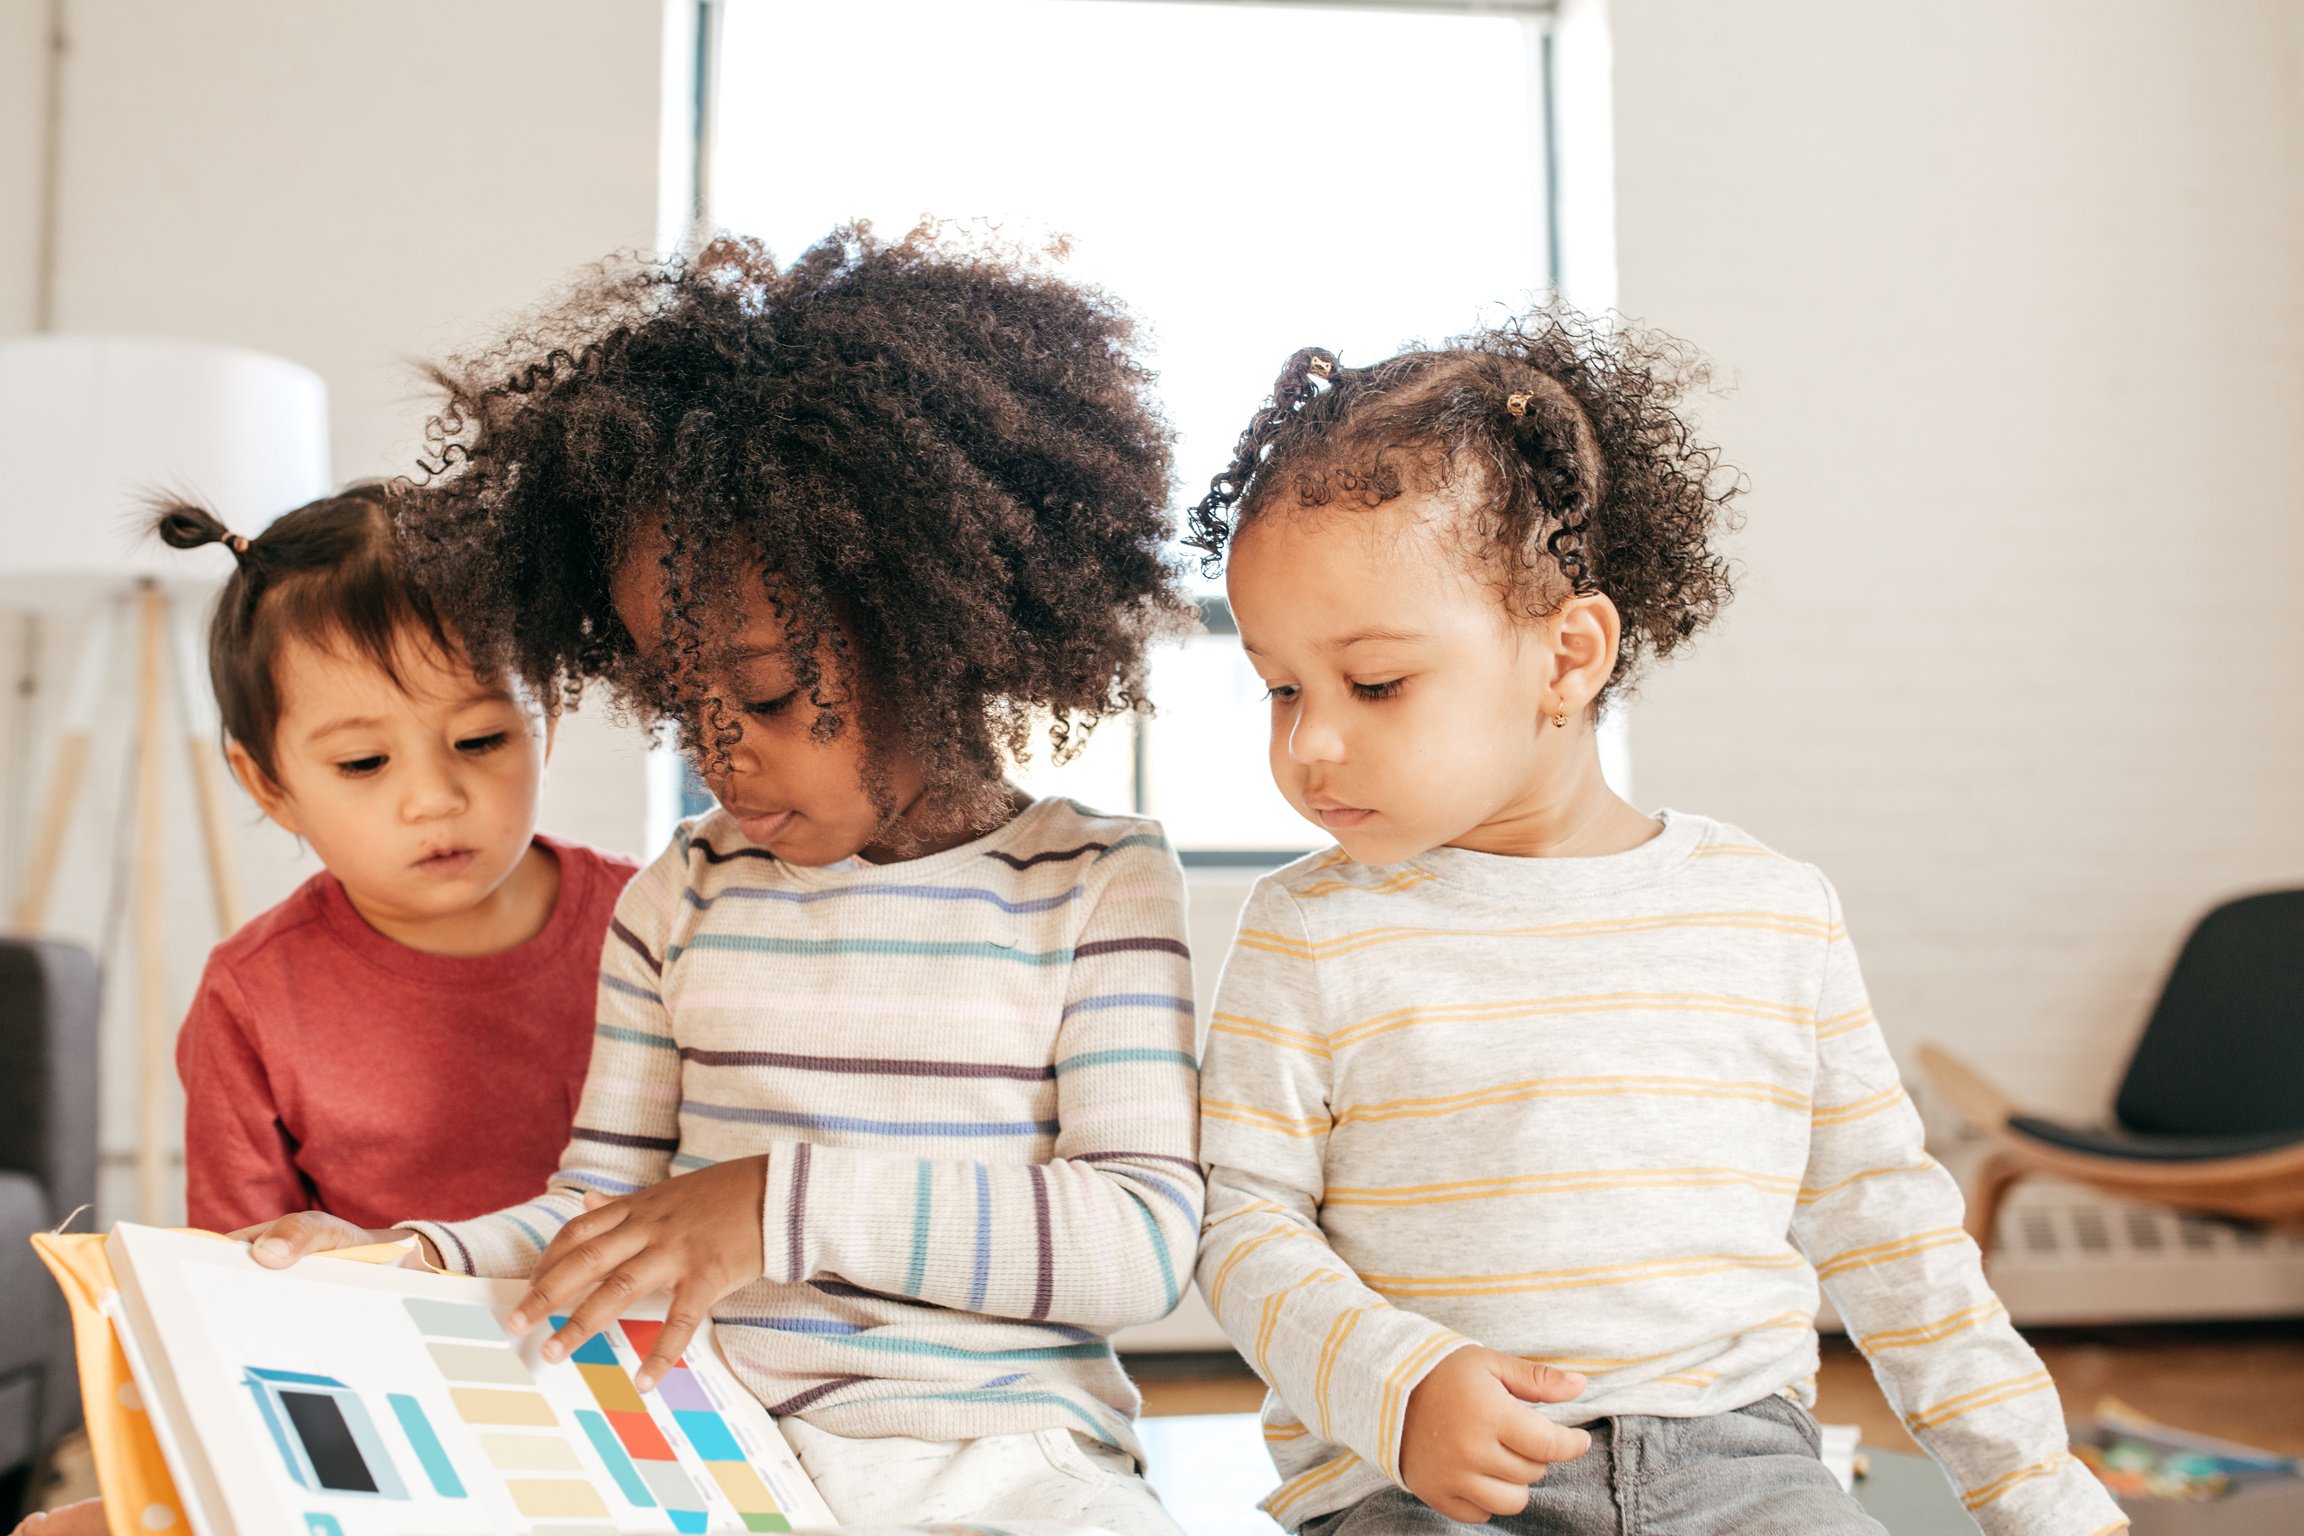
370 722
1362 637
348 723
1346 642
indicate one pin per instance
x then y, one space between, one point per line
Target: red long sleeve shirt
327 1067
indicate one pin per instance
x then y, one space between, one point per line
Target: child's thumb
1533 1383
282 1242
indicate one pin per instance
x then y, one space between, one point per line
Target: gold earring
1560 720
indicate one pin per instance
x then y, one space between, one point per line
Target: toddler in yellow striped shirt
1533 1123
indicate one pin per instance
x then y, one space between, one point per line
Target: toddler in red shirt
409 1030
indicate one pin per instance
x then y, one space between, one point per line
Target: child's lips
762 828
1335 813
449 861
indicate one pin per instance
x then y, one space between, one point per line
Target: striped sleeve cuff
2054 1496
502 1246
786 1254
1372 1362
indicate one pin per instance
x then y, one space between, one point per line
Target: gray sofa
48 1020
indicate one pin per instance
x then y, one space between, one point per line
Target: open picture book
350 1399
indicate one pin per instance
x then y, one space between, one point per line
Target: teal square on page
708 1433
595 1350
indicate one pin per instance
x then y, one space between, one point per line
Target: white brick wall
2011 295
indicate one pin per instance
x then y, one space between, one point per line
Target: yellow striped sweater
1620 1115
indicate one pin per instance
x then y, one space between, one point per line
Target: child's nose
743 762
1314 737
433 790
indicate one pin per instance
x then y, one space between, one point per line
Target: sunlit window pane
1204 754
1250 179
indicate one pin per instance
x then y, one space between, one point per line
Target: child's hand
697 1236
1470 1445
85 1518
280 1243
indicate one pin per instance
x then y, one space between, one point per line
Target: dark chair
48 1018
2211 1114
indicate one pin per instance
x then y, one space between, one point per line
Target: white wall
349 185
23 104
2011 295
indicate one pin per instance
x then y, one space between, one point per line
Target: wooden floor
2242 1382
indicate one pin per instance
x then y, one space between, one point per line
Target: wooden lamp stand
195 723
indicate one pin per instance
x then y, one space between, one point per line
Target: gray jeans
1753 1472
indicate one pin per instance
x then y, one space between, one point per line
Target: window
1249 178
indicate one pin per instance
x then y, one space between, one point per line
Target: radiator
2065 1254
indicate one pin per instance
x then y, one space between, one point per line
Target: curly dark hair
1563 436
943 458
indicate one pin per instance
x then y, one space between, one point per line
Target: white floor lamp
90 425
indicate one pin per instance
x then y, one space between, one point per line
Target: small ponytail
1212 519
1553 434
187 525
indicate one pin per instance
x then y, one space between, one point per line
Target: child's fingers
1536 1437
1494 1495
85 1518
691 1309
596 1220
1499 1460
278 1244
1462 1511
575 1265
572 1263
1533 1383
597 1311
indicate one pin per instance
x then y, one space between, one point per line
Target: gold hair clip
1321 367
1517 402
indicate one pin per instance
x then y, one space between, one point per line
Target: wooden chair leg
1995 1176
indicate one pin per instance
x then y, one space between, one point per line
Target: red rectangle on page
641 1438
643 1334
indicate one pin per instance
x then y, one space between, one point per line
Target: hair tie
1517 402
238 545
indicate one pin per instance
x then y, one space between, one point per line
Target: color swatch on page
496 1394
626 1424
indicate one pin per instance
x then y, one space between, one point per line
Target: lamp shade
92 425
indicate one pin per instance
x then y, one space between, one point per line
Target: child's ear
269 797
1586 632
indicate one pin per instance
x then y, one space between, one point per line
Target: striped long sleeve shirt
1620 1115
972 1077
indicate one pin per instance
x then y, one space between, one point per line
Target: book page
340 1399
